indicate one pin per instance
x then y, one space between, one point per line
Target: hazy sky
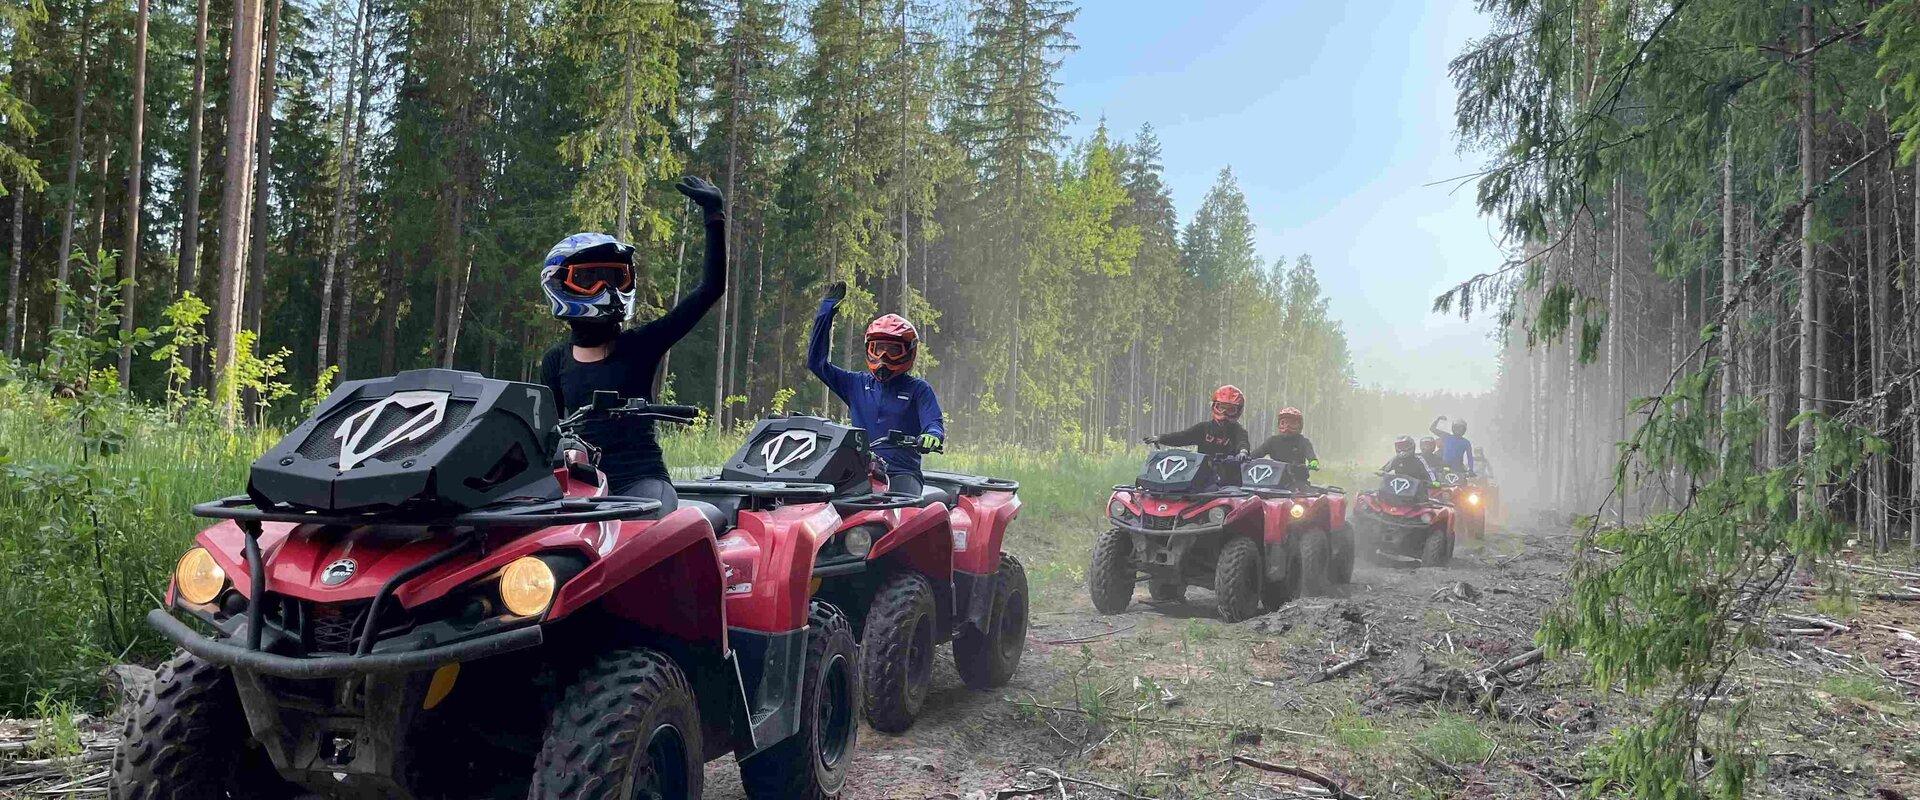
1334 116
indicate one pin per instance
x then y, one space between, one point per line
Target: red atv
417 599
913 570
1468 497
1182 525
1402 522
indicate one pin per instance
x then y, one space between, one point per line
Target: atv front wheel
1340 556
987 660
1237 578
627 728
1167 591
812 763
1110 576
1315 561
896 665
1438 549
188 739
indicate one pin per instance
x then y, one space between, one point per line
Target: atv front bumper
226 652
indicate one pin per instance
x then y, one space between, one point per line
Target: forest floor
1165 701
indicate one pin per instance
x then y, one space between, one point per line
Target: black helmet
1403 444
1459 427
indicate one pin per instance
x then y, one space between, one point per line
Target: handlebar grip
673 410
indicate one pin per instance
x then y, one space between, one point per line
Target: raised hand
837 291
703 193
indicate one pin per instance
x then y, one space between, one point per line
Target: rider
1455 450
884 398
1288 444
588 279
1406 462
1219 435
1430 456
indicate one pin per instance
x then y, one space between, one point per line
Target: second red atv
1402 522
417 598
913 570
1187 521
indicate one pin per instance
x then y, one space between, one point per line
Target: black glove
837 291
1151 440
704 194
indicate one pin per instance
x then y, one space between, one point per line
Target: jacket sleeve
1266 448
1186 438
1471 467
1434 427
834 377
679 320
930 417
1308 443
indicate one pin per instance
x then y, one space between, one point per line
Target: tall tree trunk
735 58
1809 278
130 249
1729 354
187 277
253 307
336 226
243 87
63 267
390 292
14 271
906 80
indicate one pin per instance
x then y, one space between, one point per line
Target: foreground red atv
415 599
1402 522
912 570
1179 527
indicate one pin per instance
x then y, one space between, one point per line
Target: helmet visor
593 278
1226 410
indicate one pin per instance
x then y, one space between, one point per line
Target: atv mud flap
772 667
341 737
1163 554
973 595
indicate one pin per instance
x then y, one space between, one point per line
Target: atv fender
771 555
663 576
979 527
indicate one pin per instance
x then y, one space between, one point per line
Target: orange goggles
1227 410
887 349
595 277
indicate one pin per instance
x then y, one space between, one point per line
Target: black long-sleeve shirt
1210 438
1292 448
629 450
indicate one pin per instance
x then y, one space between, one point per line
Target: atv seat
934 494
721 518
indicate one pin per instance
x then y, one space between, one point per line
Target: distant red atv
1403 522
1469 498
417 599
1179 526
913 570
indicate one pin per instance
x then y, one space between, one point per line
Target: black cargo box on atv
425 439
803 449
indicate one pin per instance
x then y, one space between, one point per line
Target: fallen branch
1079 639
1165 721
1339 792
1824 623
1064 779
1437 763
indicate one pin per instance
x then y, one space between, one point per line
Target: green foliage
253 375
1454 739
56 735
183 334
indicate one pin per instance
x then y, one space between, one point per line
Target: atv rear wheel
988 660
1110 576
896 664
1237 578
1340 556
1167 591
1315 561
188 739
812 763
626 729
1438 549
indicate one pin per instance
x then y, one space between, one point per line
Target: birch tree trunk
130 249
187 276
262 174
63 267
1809 279
336 233
12 344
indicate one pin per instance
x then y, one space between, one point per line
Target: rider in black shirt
1221 434
1289 445
589 282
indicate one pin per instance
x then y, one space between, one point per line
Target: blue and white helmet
586 248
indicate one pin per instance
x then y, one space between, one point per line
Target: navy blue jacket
902 403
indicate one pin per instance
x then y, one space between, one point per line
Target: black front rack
972 484
772 490
537 514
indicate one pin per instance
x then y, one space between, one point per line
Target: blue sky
1335 117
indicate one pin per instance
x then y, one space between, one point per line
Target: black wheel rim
919 662
662 770
1013 626
834 712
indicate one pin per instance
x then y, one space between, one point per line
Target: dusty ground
1165 701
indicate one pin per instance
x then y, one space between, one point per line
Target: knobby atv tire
1315 562
1437 551
187 739
989 661
812 763
896 656
1110 576
1167 591
628 727
1340 556
1237 578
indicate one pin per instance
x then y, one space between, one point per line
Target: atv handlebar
607 403
905 441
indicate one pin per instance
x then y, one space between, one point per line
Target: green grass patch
1356 733
1858 687
1455 739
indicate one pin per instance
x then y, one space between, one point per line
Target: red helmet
1227 402
1289 420
891 343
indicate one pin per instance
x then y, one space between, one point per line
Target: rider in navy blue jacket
884 398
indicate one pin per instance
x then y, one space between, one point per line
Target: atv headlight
1296 511
526 586
198 578
1118 510
1217 515
1473 499
858 541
